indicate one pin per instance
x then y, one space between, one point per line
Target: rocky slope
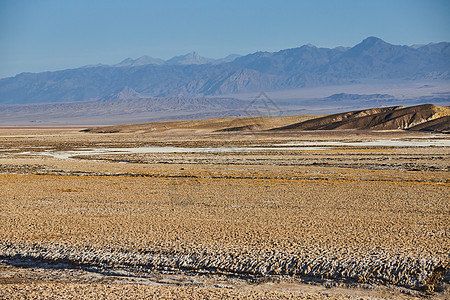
427 117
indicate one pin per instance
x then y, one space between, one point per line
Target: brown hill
396 117
426 117
441 124
230 124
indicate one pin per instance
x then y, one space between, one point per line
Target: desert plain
189 210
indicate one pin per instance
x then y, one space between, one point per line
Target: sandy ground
345 222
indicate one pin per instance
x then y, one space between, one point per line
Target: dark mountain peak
141 61
372 41
261 54
193 55
370 46
191 58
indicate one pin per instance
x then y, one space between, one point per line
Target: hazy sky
41 35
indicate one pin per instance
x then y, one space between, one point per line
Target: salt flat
261 220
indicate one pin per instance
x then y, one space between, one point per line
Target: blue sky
46 35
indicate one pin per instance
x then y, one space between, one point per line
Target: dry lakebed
197 213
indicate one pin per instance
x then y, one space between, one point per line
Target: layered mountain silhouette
141 61
192 58
426 117
192 75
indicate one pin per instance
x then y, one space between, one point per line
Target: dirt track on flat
346 217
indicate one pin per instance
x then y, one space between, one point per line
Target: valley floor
278 219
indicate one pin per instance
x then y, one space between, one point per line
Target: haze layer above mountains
194 76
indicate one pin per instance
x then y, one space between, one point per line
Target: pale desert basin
188 210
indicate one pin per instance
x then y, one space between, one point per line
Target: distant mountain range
192 58
194 76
